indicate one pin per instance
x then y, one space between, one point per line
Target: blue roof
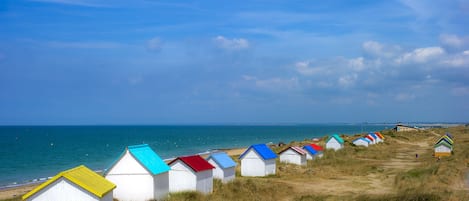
222 159
310 149
373 135
362 138
263 150
148 158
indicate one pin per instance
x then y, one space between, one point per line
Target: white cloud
83 45
457 60
154 44
452 40
377 49
303 67
348 80
231 44
421 55
357 64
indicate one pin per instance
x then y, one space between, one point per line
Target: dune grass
390 167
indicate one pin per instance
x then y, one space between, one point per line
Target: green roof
337 137
444 143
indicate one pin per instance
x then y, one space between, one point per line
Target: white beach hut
191 173
258 161
361 141
371 138
79 183
335 142
224 166
311 153
442 148
293 155
376 137
139 174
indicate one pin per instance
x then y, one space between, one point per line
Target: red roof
370 138
317 147
195 162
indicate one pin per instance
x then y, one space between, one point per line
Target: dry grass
386 171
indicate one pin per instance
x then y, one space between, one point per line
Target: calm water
31 152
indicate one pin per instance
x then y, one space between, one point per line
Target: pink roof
296 149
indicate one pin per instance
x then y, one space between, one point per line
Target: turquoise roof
337 137
148 158
222 159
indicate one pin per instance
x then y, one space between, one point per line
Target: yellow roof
81 176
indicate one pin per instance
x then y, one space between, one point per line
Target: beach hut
79 183
293 155
224 166
361 142
377 139
445 139
319 149
191 173
311 153
372 139
380 136
449 135
335 142
442 149
258 161
139 174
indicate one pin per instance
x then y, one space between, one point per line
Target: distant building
79 183
319 149
293 155
443 149
224 166
403 128
258 161
311 153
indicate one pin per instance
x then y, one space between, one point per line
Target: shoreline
16 190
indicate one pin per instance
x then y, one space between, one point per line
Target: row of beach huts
139 174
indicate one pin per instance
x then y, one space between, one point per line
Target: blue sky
197 62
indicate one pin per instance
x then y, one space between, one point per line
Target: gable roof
370 138
82 177
449 135
337 137
146 157
445 140
317 147
263 150
310 149
295 149
195 162
443 143
448 139
362 138
373 135
222 159
379 135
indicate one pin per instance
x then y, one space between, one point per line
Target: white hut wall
181 178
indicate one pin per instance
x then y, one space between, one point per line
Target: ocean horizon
33 153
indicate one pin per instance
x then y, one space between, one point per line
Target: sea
31 154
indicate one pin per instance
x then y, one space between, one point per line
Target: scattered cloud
458 60
304 68
231 44
357 64
421 55
376 49
452 40
347 80
154 45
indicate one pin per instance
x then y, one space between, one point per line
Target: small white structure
318 149
371 138
258 161
224 166
139 174
79 183
335 142
191 173
442 149
311 153
376 137
361 142
293 155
